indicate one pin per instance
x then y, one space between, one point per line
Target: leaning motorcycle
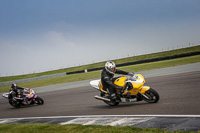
134 90
26 97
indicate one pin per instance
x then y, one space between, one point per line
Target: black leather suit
107 80
17 91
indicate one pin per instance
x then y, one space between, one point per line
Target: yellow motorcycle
134 90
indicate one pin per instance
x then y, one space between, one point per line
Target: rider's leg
112 93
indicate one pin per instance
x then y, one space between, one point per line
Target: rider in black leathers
16 90
107 78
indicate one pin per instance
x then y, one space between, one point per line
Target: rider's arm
121 72
21 88
11 89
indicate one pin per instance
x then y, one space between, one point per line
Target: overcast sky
42 35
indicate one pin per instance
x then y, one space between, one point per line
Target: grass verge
101 64
96 74
75 128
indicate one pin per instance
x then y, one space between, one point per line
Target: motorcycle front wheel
152 95
39 101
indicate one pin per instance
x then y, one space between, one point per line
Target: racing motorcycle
26 97
133 90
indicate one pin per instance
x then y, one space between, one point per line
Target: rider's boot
113 96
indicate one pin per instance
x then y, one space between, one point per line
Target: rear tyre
15 104
39 101
152 95
112 103
10 102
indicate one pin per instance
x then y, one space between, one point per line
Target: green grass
75 128
97 74
101 64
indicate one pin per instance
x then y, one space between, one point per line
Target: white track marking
130 121
78 121
4 121
112 120
100 116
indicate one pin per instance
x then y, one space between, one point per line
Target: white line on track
112 121
130 121
90 116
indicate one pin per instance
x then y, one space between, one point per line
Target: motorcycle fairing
122 81
136 82
95 84
5 95
101 87
98 85
144 89
29 93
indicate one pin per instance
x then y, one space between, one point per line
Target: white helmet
110 67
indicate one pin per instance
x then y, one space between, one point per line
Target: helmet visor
112 69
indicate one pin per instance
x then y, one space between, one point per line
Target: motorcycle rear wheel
152 95
112 103
14 104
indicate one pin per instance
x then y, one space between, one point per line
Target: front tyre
152 95
39 100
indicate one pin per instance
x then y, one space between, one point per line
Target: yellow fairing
137 86
101 87
144 89
141 77
120 81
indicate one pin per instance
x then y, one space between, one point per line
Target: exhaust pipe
102 98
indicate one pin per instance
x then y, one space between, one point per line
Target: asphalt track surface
179 95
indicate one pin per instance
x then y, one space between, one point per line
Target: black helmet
13 85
